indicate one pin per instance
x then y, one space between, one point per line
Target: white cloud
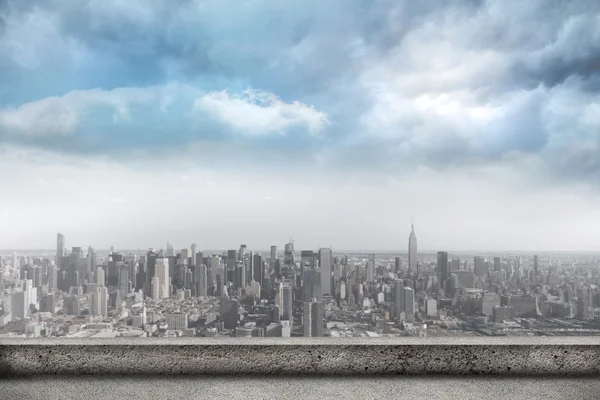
62 115
256 112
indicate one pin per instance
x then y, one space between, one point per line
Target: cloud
392 84
255 112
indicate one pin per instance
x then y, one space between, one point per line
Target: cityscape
288 292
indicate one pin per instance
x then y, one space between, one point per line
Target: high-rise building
398 298
60 250
228 310
99 276
155 288
536 270
170 252
479 266
369 271
287 303
412 250
317 318
497 266
99 301
397 264
307 318
91 263
273 254
325 266
162 272
442 268
409 303
194 254
312 285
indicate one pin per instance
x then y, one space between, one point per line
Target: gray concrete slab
289 388
556 356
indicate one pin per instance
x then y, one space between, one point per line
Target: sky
338 123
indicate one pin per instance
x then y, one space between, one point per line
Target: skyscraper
91 262
170 252
412 250
60 249
194 255
409 304
162 272
312 285
536 270
398 298
325 266
442 268
317 318
497 266
307 318
479 266
287 303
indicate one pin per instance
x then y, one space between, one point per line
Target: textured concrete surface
289 388
328 356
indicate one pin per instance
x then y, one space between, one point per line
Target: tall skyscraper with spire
412 250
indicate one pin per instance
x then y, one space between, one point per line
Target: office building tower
398 298
442 268
170 251
287 303
150 265
497 266
91 263
431 307
230 265
202 281
162 272
177 321
19 306
307 318
258 270
312 285
60 250
99 302
397 265
288 257
155 288
317 318
455 264
48 304
536 270
273 254
99 278
228 311
369 271
325 258
308 260
479 266
409 303
242 252
412 250
124 282
194 255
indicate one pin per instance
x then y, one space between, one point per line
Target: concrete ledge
538 356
